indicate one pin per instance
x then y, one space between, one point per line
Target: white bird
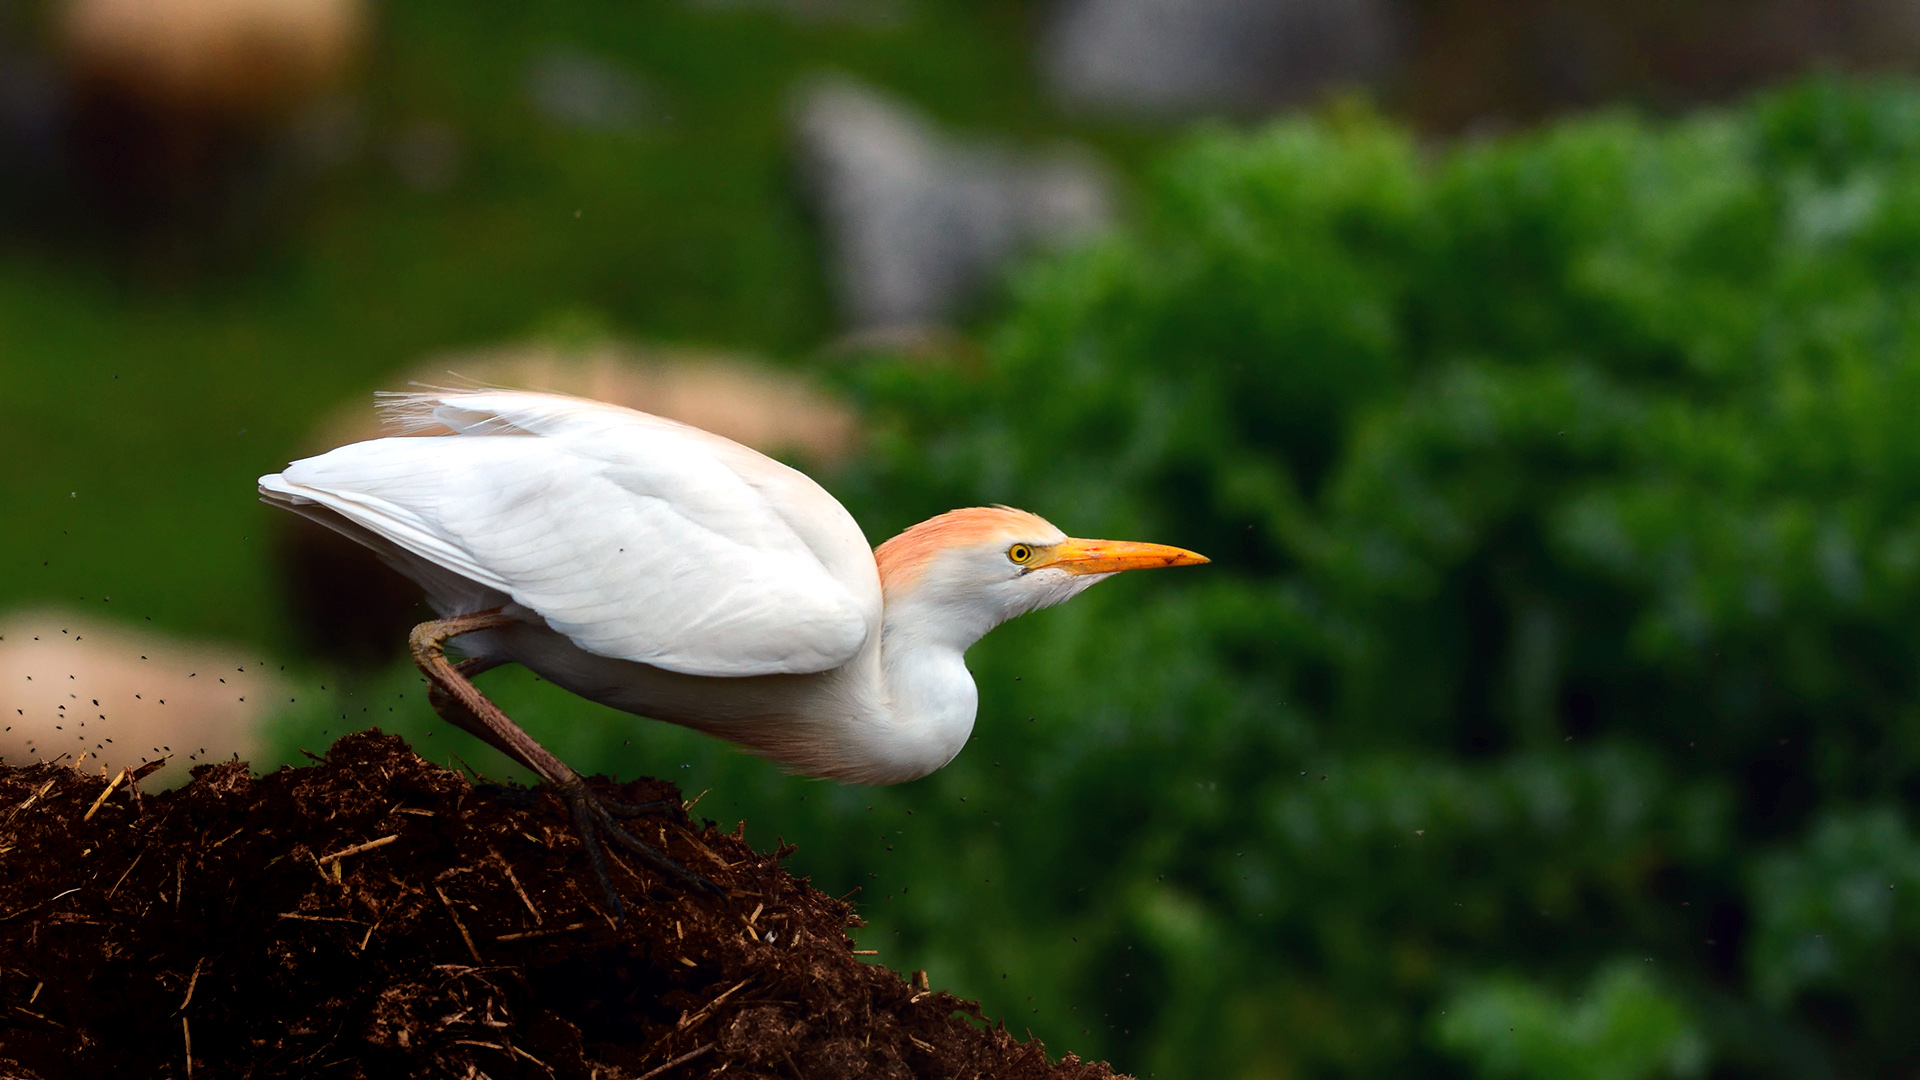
681 576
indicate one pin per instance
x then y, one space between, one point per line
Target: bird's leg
454 712
449 709
462 704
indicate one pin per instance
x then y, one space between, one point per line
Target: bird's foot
523 799
638 809
594 816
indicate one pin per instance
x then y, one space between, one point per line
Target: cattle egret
675 574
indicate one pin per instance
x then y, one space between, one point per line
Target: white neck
930 698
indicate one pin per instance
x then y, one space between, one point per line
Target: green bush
1622 1028
1564 496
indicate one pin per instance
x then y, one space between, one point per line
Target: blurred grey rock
574 89
1171 58
918 221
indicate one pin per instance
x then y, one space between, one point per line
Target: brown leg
450 709
453 712
462 704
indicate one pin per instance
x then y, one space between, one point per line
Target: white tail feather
494 411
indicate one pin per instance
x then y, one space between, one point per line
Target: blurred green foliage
1549 708
1564 494
1622 1028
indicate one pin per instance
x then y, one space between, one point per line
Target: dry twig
458 925
192 982
358 848
515 882
532 934
681 1060
111 785
707 1009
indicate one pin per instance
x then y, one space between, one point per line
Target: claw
592 816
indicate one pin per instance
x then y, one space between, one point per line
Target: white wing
637 537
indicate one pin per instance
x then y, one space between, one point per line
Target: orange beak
1111 556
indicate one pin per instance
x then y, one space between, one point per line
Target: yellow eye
1020 553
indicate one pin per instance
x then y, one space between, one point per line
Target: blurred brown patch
174 101
72 686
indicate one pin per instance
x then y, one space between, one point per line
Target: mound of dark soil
374 915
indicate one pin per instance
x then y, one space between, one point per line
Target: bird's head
961 574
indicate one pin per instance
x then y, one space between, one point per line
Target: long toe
616 808
592 818
655 859
515 797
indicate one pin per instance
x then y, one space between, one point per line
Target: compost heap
375 915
